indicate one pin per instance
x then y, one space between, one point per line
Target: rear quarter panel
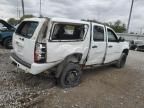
58 51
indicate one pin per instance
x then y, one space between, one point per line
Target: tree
12 21
26 16
118 26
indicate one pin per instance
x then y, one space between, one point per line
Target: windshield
27 29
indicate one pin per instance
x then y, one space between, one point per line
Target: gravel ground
103 87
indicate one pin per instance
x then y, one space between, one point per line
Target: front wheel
121 62
70 76
8 43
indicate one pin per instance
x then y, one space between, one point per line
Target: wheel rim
72 77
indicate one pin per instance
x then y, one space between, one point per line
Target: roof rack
95 21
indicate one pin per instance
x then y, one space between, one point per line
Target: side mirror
121 39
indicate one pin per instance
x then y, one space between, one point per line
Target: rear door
24 40
113 46
98 45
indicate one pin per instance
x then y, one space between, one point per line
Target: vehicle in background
66 46
6 33
137 45
132 45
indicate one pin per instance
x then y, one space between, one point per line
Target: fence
131 36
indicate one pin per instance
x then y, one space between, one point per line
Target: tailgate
23 41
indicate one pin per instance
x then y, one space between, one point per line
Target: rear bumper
33 68
17 59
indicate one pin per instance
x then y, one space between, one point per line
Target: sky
101 10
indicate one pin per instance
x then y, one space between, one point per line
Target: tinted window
27 29
111 36
98 33
68 32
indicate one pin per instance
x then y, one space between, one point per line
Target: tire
70 76
121 62
8 43
133 47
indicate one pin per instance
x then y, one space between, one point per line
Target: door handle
94 46
21 39
110 46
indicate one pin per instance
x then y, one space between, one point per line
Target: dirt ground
103 87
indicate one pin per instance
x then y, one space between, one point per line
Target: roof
69 20
64 20
34 19
57 20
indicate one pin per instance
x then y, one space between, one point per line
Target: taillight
40 53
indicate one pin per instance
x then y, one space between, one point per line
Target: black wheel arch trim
126 51
74 58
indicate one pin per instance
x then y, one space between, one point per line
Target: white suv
66 46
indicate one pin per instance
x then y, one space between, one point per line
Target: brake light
40 53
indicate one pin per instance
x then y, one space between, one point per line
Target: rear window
68 32
27 29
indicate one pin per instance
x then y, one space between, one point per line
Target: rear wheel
8 43
70 76
122 61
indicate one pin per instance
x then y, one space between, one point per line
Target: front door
113 47
98 45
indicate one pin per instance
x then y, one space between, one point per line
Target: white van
66 46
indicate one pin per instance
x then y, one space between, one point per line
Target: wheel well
75 58
126 51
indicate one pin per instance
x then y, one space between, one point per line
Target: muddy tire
70 76
122 61
8 43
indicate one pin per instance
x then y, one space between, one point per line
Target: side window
111 36
68 32
98 33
